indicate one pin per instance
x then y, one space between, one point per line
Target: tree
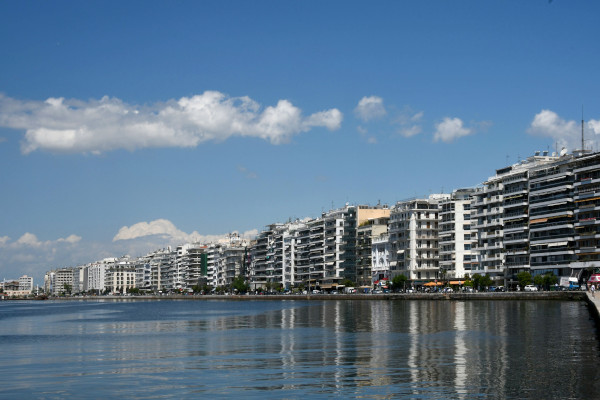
538 280
486 281
239 284
67 288
477 281
550 280
524 278
348 283
399 282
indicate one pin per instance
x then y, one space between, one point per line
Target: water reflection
374 349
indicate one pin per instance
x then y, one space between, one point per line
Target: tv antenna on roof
582 141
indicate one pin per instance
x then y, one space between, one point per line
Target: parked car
531 288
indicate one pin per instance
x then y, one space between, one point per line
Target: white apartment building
64 279
500 214
26 283
381 255
120 276
366 233
414 240
456 253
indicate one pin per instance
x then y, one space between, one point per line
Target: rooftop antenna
582 129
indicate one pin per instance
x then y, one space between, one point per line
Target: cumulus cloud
369 108
96 126
165 229
248 174
450 129
4 240
565 133
409 122
31 240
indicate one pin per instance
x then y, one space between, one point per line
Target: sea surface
418 349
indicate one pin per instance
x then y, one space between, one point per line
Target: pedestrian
593 289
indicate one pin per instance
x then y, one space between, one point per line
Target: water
298 349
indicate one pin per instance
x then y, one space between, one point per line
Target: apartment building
367 232
414 240
552 217
500 220
586 199
120 276
455 238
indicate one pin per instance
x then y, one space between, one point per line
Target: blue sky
127 126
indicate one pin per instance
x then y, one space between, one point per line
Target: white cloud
409 122
28 239
96 126
4 240
168 231
248 174
369 108
411 130
565 133
31 240
450 129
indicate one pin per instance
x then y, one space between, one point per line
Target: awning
537 221
457 282
590 199
557 244
433 284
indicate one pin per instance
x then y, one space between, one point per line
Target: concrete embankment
564 296
593 302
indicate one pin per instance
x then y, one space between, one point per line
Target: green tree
348 283
549 280
538 280
399 282
67 288
486 281
239 284
477 281
524 278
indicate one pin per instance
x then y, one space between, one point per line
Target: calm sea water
298 349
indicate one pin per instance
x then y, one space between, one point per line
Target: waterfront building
64 280
414 241
160 262
49 282
586 200
367 232
26 283
380 255
551 218
143 273
456 255
196 265
96 274
120 276
500 214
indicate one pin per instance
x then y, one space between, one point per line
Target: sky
129 126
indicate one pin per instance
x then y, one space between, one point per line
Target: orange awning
433 284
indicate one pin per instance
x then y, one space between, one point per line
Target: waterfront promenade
562 295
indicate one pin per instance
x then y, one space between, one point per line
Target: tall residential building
120 276
551 218
455 241
381 256
586 199
414 240
367 232
26 283
500 213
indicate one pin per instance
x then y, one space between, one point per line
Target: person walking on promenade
593 289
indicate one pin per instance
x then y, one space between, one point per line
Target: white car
531 288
